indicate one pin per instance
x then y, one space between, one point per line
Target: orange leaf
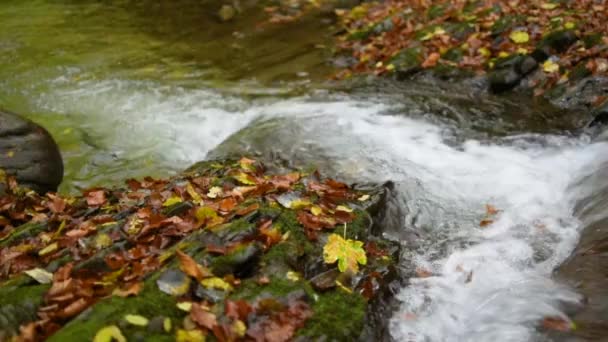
190 267
431 60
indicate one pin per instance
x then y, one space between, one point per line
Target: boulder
28 152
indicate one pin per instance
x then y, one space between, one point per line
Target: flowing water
141 88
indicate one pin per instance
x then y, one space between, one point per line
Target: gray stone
28 152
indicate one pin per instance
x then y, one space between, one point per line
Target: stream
130 89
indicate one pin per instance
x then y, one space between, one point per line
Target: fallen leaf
549 66
216 283
215 192
191 267
172 201
49 249
40 275
96 197
519 37
203 318
137 320
189 336
109 334
431 60
348 253
132 290
244 178
184 306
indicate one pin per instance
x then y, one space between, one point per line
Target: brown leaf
227 204
485 222
491 210
190 267
203 318
96 197
237 309
57 204
247 210
74 308
131 290
431 60
556 323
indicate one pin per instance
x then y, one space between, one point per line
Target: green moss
237 260
19 301
23 232
592 39
338 316
279 286
506 23
435 11
149 303
407 59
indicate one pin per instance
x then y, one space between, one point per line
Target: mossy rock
257 253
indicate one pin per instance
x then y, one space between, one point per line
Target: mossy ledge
238 248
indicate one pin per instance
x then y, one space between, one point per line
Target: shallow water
130 90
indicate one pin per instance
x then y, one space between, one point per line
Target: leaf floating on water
519 37
173 282
109 334
40 275
491 210
348 253
485 222
137 320
558 324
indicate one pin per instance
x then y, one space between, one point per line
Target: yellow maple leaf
348 253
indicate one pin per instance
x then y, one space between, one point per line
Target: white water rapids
489 283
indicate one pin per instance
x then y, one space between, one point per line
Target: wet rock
509 73
555 42
28 152
600 116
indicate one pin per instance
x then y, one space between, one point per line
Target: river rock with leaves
28 152
225 251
